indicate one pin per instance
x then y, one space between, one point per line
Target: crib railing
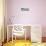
18 30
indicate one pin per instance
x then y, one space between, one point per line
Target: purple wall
36 14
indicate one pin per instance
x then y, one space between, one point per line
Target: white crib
35 32
17 30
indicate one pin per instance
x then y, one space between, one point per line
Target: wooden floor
23 43
18 43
